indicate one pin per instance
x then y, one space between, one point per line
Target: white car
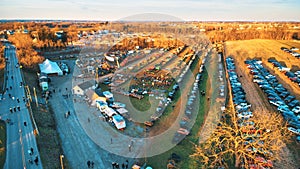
245 115
242 105
296 131
283 109
296 109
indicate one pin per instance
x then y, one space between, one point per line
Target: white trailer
119 121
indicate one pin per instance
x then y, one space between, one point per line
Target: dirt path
216 101
254 95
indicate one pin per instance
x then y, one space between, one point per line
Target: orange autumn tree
2 60
27 56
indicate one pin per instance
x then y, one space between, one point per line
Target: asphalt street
78 147
21 147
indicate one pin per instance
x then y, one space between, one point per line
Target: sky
187 10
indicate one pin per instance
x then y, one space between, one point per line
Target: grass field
2 143
263 49
185 148
139 110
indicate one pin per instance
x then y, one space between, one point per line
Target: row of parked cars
238 93
247 126
185 127
294 77
291 51
285 102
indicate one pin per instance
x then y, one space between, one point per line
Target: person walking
126 164
123 165
113 164
36 160
88 163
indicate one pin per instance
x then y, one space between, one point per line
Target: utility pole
61 161
36 101
96 75
28 93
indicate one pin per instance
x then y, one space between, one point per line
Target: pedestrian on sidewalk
36 160
117 165
123 165
131 143
31 149
113 164
25 124
129 148
88 163
30 161
30 152
92 164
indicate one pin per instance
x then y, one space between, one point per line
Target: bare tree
244 143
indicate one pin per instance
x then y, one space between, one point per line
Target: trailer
119 121
109 112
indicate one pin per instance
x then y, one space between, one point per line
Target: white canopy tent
50 68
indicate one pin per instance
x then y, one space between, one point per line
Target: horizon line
98 20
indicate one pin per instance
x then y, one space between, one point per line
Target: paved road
20 136
78 147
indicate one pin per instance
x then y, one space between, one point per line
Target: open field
263 50
2 143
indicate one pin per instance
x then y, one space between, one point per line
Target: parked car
284 94
296 109
265 163
298 139
243 105
283 109
294 103
289 98
245 115
294 130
